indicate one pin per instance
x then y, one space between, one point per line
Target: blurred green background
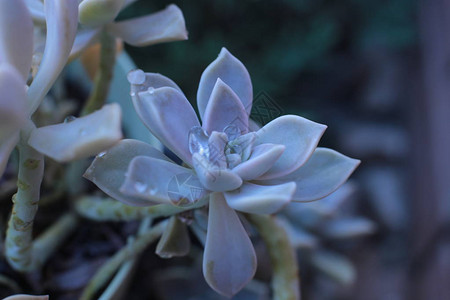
295 50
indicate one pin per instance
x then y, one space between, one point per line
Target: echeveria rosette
257 172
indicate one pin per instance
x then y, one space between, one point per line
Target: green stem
25 204
104 74
22 253
122 278
285 279
112 210
134 248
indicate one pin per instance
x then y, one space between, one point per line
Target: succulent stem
285 278
103 75
18 247
131 250
108 209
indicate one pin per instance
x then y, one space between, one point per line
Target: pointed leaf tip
231 71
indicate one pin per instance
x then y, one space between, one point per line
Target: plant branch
107 209
103 75
131 250
285 278
25 204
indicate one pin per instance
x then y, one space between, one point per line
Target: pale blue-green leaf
229 260
214 178
322 174
108 169
62 22
224 108
175 240
16 36
262 158
26 297
160 181
243 145
36 8
229 69
216 144
13 114
96 13
164 26
141 81
80 138
119 93
327 206
83 40
260 199
169 116
299 135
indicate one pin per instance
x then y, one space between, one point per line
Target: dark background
377 73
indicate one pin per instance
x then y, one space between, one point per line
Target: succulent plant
228 162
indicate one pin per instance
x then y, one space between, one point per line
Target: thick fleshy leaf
263 157
26 297
163 26
328 206
323 173
229 69
16 36
224 109
169 116
216 144
36 8
83 40
242 145
80 138
6 147
160 181
214 178
175 240
62 22
96 13
108 169
260 199
229 260
13 112
299 135
141 81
